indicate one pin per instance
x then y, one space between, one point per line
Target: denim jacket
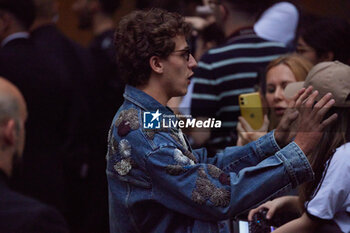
157 183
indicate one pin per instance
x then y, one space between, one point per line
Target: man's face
20 142
217 10
21 127
81 8
178 69
306 51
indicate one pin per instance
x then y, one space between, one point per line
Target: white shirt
13 37
332 201
185 104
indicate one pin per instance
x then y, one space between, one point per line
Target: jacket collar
241 33
145 101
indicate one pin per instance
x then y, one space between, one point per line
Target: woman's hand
247 134
281 204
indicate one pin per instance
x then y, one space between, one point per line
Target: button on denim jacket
157 183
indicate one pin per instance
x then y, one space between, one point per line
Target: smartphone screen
243 227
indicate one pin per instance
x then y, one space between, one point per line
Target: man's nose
192 62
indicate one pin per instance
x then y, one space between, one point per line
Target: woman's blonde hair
299 66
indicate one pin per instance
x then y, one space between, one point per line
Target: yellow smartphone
251 109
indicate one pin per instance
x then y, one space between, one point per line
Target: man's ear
156 64
9 132
223 11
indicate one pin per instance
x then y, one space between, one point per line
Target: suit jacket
20 214
110 87
78 75
77 64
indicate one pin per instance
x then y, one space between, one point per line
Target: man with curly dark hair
157 183
147 36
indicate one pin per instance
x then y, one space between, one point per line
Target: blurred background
68 21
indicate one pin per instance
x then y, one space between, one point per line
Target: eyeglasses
185 53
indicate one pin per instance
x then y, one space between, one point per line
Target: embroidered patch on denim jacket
217 173
109 134
112 146
124 148
178 140
181 159
225 178
109 143
150 133
201 173
191 156
124 166
197 198
214 171
204 187
124 128
205 190
175 170
220 197
127 118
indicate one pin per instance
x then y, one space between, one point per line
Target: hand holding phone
251 109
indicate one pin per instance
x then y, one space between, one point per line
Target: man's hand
308 129
284 132
311 123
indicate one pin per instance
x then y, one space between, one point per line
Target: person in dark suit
53 150
19 213
76 63
98 16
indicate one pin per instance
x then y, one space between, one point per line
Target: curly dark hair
143 34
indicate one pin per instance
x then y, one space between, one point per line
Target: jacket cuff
296 163
267 145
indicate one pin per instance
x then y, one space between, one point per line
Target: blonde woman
279 73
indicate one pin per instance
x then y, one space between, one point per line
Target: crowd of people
72 94
80 148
